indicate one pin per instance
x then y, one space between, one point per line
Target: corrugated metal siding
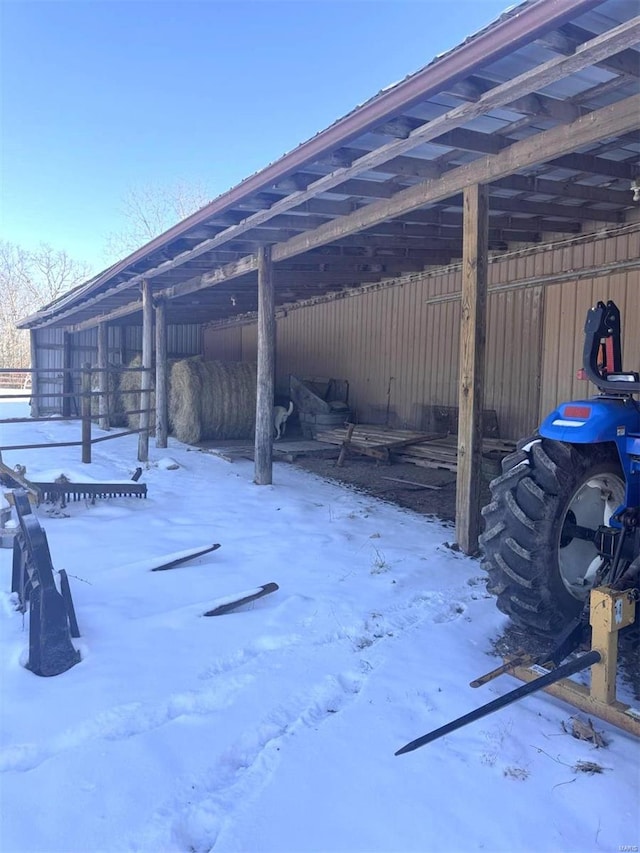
49 345
182 341
514 334
123 343
566 309
398 345
399 351
83 349
225 345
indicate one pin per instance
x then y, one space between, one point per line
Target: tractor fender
592 421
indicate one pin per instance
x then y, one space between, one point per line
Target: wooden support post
161 375
35 382
610 611
145 375
103 377
345 445
122 345
86 412
67 378
266 370
473 310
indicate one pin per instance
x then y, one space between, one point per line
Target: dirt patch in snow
431 492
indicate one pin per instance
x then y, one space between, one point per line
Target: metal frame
610 611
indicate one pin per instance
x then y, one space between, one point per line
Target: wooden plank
27 485
473 321
429 463
431 452
345 445
413 483
443 453
266 370
376 435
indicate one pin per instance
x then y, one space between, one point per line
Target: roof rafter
607 44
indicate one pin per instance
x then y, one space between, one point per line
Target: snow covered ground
273 728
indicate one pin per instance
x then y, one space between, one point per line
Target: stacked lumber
371 440
426 451
443 453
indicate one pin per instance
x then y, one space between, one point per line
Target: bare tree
148 211
30 279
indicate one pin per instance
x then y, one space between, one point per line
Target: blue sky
99 96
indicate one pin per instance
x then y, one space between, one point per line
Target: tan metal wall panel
224 345
398 345
566 308
399 351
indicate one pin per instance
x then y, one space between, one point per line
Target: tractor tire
536 543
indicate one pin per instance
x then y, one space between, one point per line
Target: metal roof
543 105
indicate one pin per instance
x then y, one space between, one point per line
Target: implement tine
577 665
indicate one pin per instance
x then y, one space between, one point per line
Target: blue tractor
564 514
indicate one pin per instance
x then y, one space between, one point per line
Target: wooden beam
162 420
145 375
599 165
613 41
266 370
106 316
382 264
612 120
103 377
578 213
228 271
562 189
624 62
473 310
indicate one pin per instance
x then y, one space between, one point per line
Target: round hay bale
212 399
184 400
130 381
115 408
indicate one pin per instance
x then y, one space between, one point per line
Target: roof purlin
522 24
618 118
589 52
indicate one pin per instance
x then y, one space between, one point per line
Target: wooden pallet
443 454
376 441
424 450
